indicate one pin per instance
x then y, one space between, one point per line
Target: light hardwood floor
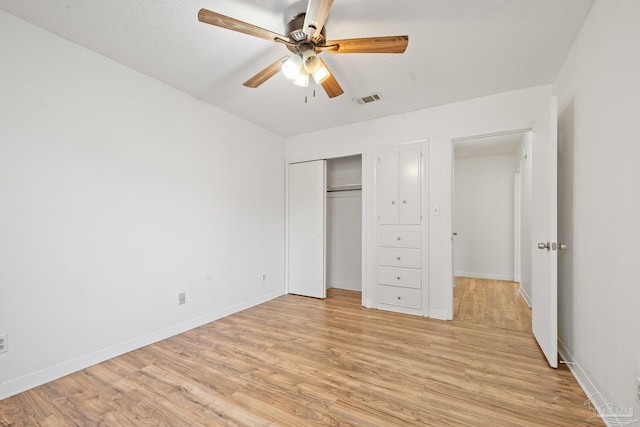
299 361
495 303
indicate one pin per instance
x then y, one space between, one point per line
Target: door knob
455 233
546 246
562 246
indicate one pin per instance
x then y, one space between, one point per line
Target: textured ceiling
458 49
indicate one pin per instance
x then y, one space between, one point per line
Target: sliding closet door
306 228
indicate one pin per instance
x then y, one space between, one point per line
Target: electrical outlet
4 343
182 298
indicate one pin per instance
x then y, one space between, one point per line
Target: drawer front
400 277
402 297
400 238
411 258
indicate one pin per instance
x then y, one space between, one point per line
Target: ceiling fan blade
331 85
317 12
222 21
388 44
265 74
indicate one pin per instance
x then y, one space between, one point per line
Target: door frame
517 224
352 151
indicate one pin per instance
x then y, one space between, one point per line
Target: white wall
599 96
484 217
118 192
344 170
344 240
506 111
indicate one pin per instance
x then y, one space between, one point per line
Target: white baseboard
525 296
346 286
439 314
597 399
18 385
490 276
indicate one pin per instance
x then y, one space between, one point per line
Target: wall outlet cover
4 343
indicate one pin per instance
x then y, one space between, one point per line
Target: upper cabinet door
388 183
399 186
410 185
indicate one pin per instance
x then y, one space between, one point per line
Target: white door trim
517 225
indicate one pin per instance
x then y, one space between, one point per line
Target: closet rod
343 187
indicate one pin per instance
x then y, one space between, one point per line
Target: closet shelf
343 187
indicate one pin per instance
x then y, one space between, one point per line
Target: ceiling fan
306 39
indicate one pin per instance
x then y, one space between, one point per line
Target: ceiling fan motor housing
294 31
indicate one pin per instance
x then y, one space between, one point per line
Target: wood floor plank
495 303
297 361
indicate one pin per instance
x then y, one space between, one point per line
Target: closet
324 225
344 223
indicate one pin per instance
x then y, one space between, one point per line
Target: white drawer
402 297
400 238
400 257
400 277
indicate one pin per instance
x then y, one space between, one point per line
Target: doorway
491 223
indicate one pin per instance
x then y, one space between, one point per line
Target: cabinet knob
399 298
398 277
398 258
404 201
399 239
393 202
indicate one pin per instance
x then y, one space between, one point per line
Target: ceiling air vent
369 99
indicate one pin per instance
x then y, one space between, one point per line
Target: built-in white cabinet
400 229
398 174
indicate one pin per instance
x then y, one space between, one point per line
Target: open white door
306 226
544 228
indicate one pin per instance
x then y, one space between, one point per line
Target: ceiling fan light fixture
321 74
311 61
314 66
292 66
302 79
